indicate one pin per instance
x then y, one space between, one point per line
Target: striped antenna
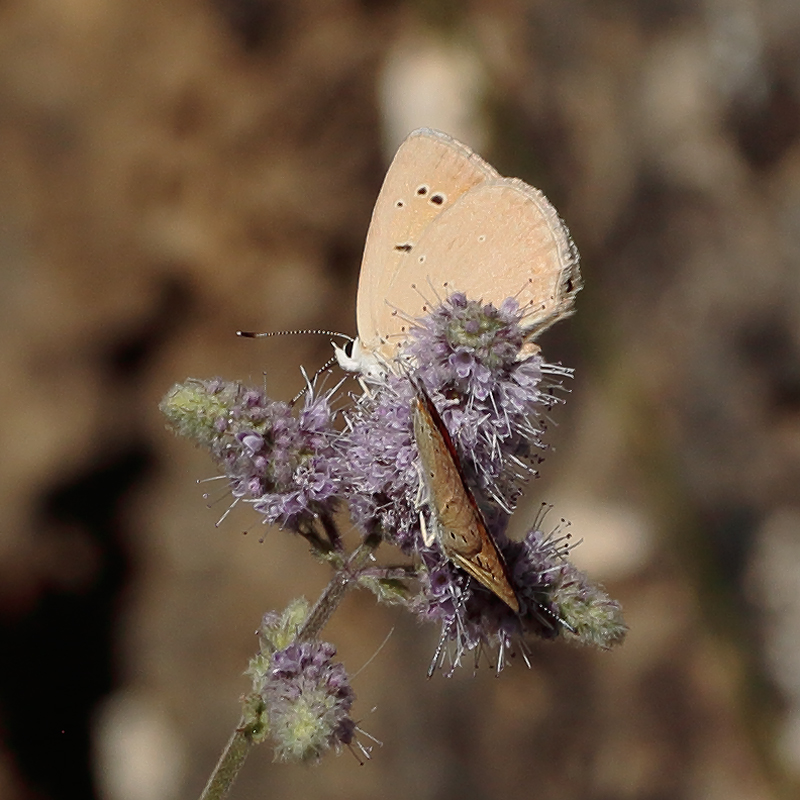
327 365
254 335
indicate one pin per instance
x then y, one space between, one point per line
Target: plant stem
235 752
334 592
229 764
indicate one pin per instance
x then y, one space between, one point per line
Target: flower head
492 396
555 598
488 393
278 461
308 700
467 357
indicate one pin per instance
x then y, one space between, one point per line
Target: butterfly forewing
446 221
457 521
429 173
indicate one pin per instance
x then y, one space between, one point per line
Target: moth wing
455 516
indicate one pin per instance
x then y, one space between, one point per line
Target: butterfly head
354 357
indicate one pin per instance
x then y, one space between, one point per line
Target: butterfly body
457 522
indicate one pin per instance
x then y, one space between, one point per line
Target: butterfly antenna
256 335
310 382
308 388
300 332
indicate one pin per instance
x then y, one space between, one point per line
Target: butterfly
456 520
445 220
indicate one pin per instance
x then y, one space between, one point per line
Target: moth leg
428 536
419 501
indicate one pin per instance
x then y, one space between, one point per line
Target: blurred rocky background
172 171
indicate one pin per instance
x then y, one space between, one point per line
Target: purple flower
308 700
555 599
492 392
378 464
493 400
493 404
279 462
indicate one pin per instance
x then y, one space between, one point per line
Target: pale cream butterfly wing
428 174
504 239
447 221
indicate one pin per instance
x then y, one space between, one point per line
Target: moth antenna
453 625
548 612
374 655
501 656
438 656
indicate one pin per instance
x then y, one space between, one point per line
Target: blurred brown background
172 171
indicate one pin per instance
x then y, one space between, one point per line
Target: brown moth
456 519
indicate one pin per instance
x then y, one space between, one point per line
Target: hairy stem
235 752
334 592
229 764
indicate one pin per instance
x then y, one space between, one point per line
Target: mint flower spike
279 462
301 698
494 405
494 394
298 466
308 700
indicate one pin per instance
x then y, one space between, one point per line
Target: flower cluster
300 696
280 462
493 400
490 391
466 355
308 700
